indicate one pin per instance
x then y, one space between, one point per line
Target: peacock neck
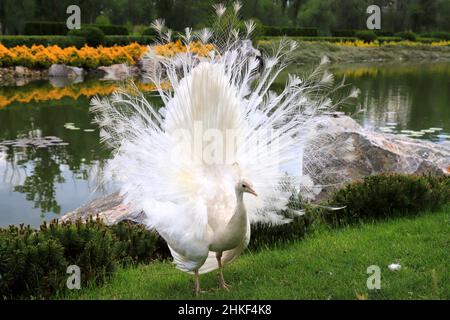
239 197
240 213
234 231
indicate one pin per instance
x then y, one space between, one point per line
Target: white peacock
221 135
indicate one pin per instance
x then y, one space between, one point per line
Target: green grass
328 264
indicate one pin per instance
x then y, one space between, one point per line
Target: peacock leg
222 282
197 283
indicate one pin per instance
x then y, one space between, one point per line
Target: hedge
407 35
289 31
382 33
60 28
68 41
61 41
324 38
45 28
111 30
366 36
93 36
343 33
441 35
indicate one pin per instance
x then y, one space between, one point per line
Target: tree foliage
326 15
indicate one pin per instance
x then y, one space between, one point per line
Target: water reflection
406 98
38 171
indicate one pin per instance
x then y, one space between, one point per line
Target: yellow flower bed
440 43
44 56
73 91
173 48
89 57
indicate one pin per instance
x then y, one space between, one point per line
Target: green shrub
385 195
272 31
137 244
300 32
326 39
60 28
427 40
33 263
88 245
67 41
110 29
389 39
441 35
366 35
103 20
45 28
289 31
343 33
407 35
382 33
264 235
93 36
62 41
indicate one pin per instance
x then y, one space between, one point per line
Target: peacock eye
243 186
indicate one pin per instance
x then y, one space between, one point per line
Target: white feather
165 159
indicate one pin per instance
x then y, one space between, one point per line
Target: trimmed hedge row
60 28
69 41
353 33
29 41
366 35
289 31
324 38
441 35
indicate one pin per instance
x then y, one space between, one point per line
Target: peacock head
244 185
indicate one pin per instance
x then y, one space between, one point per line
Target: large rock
341 151
18 76
117 71
108 208
63 71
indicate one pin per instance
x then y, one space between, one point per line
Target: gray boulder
63 71
117 71
108 208
343 151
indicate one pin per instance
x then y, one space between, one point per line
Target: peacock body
221 134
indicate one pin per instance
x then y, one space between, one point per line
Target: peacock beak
253 192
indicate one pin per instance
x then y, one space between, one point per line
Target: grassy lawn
328 264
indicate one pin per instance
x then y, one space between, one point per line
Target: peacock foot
225 286
198 291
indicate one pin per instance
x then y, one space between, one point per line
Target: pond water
49 147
